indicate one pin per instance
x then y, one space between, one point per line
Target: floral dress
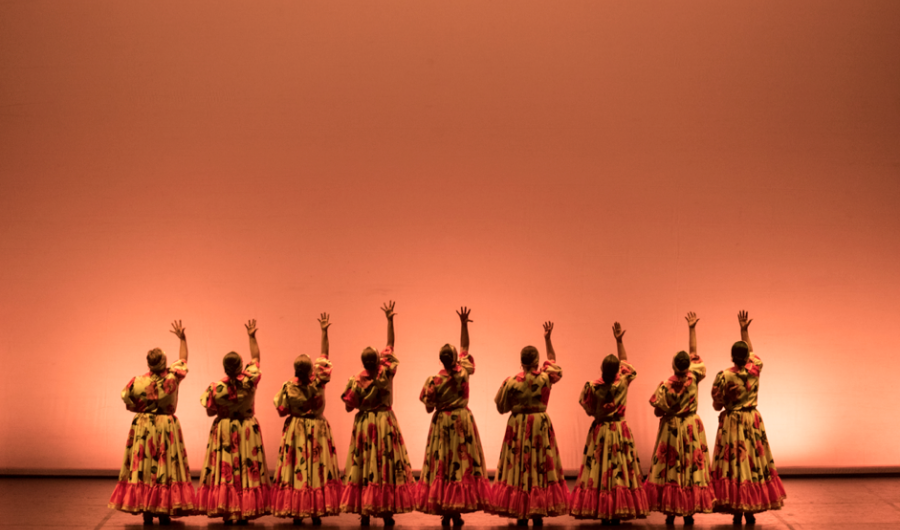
529 480
155 477
234 482
679 482
378 476
307 481
453 479
609 485
743 471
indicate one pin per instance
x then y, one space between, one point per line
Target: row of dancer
377 479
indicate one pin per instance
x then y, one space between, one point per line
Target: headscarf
448 350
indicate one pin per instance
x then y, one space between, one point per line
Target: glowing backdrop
582 163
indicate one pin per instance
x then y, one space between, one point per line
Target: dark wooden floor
819 503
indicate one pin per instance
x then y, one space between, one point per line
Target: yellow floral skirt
743 471
453 478
378 477
155 477
679 482
307 481
529 480
234 482
610 484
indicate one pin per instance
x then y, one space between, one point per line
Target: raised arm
388 309
692 331
324 323
464 327
178 330
254 346
618 332
745 323
548 329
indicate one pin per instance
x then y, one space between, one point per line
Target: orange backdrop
581 162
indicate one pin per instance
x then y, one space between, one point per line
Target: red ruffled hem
307 502
378 499
508 501
174 499
441 497
620 503
732 497
227 501
672 499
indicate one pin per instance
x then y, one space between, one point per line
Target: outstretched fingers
324 320
251 327
464 314
177 329
548 328
692 319
388 309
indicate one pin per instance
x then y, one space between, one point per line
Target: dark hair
682 361
370 358
529 356
232 363
302 367
448 356
156 360
610 369
740 352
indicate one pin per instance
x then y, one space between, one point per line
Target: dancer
453 479
378 478
307 481
609 485
234 482
155 479
679 483
743 475
529 481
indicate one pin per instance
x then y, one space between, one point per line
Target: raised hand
251 328
692 319
744 320
323 321
618 332
548 329
178 329
388 309
464 314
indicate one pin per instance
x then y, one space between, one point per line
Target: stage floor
820 503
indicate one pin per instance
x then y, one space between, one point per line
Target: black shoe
688 520
364 520
317 521
750 518
298 521
388 520
736 520
670 519
457 520
242 522
165 520
615 522
521 522
537 521
148 518
445 520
